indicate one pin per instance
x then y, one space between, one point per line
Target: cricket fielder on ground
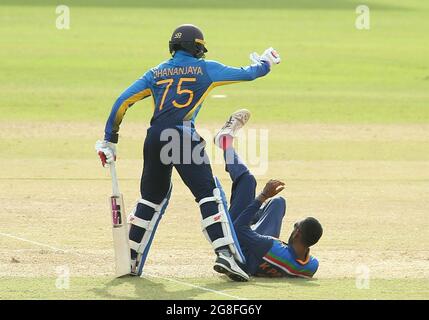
178 87
258 221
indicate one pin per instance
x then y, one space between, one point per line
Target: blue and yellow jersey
281 261
178 87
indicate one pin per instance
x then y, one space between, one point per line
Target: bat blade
120 236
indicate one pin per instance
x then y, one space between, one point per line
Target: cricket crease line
153 276
195 286
39 244
30 241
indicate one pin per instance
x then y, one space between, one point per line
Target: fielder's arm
243 221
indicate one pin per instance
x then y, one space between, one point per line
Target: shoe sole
220 268
243 123
240 111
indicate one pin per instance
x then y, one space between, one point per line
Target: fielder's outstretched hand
270 55
106 151
272 188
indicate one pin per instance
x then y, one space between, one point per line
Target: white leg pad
132 219
219 217
222 216
149 226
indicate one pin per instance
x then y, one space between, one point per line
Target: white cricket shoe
235 122
226 264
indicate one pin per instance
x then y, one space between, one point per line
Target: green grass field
348 117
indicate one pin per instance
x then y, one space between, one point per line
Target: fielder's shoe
226 264
235 122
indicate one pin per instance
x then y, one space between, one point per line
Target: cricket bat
119 227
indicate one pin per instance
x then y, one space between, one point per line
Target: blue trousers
156 178
267 222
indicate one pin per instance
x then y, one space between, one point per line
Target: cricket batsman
258 221
178 88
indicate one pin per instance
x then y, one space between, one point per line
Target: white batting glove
270 55
106 151
255 58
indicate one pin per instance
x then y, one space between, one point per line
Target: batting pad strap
154 206
205 200
216 197
137 247
218 217
145 224
221 242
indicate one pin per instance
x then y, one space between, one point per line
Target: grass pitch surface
347 113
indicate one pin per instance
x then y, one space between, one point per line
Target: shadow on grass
144 289
148 289
211 4
274 282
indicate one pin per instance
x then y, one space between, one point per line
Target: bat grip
115 185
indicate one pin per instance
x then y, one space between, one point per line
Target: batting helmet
189 38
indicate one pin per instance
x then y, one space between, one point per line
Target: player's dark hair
311 231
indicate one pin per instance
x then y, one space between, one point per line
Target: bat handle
115 184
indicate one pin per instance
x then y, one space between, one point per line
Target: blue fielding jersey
281 261
267 256
178 87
